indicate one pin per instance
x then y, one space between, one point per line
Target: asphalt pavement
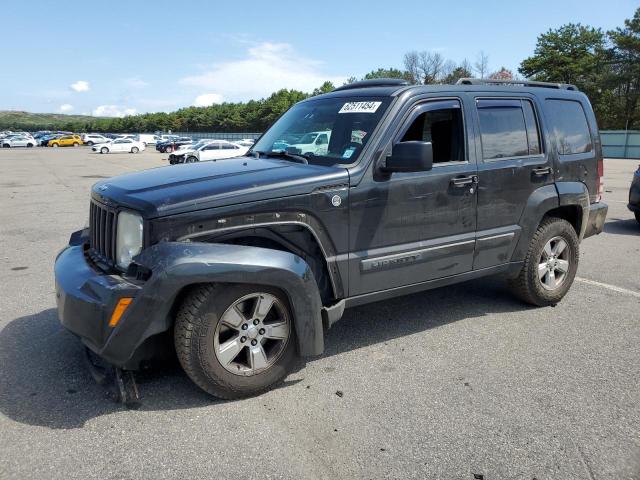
463 382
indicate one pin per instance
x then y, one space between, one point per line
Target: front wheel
550 265
235 341
75 144
104 150
637 214
55 145
135 150
90 143
168 150
191 159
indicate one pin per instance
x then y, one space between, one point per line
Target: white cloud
136 82
268 67
113 111
65 107
80 86
207 99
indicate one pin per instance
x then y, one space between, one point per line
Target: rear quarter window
569 125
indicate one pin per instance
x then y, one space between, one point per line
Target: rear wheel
104 150
168 150
550 265
235 341
90 143
134 150
75 144
6 145
55 145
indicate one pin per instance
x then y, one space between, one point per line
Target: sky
119 58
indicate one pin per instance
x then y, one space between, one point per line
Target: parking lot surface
462 382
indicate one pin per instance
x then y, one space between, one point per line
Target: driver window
444 129
322 140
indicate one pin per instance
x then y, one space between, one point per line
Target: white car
94 138
120 145
18 141
313 143
216 150
246 142
147 138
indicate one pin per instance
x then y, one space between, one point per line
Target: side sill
509 269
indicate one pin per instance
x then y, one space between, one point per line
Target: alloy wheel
553 265
252 334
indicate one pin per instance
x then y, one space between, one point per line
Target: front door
407 228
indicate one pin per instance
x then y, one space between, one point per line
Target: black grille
102 231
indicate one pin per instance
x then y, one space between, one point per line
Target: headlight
129 238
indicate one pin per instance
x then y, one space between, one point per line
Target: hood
196 186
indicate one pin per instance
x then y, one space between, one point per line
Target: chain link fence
231 137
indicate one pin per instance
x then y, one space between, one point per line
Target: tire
75 144
90 143
135 150
200 330
29 145
536 284
637 214
6 145
191 159
104 150
168 149
55 145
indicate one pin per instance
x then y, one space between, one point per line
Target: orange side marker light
121 307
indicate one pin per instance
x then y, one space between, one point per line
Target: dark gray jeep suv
375 190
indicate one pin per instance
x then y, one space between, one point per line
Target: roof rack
376 82
524 83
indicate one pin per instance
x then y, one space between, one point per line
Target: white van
147 138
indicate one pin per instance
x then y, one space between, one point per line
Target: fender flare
538 204
176 265
575 194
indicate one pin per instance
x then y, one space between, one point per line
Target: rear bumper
597 215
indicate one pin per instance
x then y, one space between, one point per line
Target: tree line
604 65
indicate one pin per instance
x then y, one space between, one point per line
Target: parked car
245 142
18 141
120 145
44 140
170 145
167 137
94 138
147 138
634 195
313 143
66 141
243 264
214 150
179 153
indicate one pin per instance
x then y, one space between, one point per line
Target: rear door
513 163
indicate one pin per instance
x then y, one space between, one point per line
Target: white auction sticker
360 107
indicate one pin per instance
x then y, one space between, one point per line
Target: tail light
599 180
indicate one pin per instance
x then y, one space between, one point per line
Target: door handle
541 171
464 181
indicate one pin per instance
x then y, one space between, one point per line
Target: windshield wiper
299 158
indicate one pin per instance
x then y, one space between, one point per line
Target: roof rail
376 82
524 83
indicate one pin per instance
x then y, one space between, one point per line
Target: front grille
102 231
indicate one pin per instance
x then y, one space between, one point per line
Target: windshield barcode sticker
360 107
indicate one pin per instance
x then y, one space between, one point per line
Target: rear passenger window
570 126
533 135
502 129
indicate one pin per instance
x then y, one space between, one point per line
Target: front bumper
86 298
634 193
597 215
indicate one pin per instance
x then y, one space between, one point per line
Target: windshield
326 131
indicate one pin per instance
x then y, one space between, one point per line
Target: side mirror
413 156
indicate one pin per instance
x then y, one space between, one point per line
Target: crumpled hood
195 186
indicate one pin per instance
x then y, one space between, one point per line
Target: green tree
387 73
